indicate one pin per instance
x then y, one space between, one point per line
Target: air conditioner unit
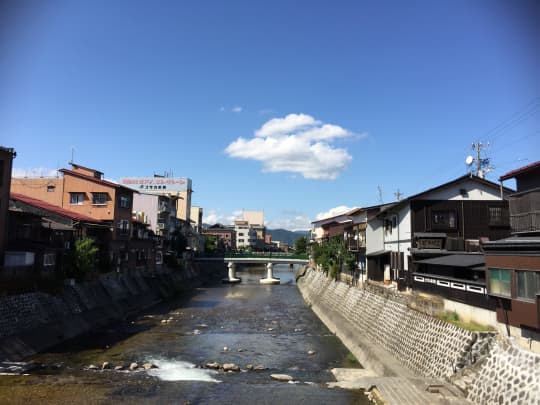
161 225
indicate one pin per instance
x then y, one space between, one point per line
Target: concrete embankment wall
33 322
390 338
387 336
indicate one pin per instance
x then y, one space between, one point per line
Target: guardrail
265 255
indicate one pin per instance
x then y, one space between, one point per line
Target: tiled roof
95 180
521 170
52 208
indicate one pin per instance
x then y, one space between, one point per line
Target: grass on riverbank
453 318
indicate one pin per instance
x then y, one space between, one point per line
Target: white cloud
213 216
297 143
34 172
332 212
237 109
298 222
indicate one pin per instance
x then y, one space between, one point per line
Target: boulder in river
148 366
133 366
92 367
282 377
213 365
311 352
260 367
106 365
119 367
249 366
230 367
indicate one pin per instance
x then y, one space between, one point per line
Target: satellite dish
469 160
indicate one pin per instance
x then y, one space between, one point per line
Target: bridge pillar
270 279
232 274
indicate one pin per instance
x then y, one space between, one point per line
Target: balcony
526 222
525 212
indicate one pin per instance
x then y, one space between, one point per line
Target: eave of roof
519 171
52 208
96 180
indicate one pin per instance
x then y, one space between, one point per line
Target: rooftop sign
157 184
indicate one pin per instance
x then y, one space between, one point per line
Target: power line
515 119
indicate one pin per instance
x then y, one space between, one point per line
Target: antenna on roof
379 191
398 194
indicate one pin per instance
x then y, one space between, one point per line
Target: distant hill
283 235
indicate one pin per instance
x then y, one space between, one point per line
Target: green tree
300 246
178 242
332 255
210 244
84 258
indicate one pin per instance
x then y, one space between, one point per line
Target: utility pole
398 194
379 190
483 166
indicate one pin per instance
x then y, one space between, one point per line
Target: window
500 282
49 259
99 198
527 284
498 216
388 227
51 188
123 225
241 234
124 201
443 219
159 258
76 198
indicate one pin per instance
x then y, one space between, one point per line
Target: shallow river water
245 324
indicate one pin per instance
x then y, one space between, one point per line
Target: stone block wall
34 321
427 346
510 375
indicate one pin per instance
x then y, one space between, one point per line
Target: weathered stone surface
119 367
282 377
230 367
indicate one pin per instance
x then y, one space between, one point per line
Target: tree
331 255
84 258
300 246
210 244
178 242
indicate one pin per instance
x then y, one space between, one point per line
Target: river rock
106 365
311 352
225 349
230 367
213 365
249 366
259 367
240 350
119 367
148 366
133 366
92 367
282 377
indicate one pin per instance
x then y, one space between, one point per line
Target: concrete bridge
269 259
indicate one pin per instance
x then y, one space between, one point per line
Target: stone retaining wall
32 322
425 345
510 375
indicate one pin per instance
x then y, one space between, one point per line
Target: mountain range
289 237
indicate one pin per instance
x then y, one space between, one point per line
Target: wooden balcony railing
525 222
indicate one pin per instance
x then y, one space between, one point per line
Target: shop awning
455 261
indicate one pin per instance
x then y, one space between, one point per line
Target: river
246 324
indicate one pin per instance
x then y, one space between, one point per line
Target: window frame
105 196
124 201
535 284
80 201
444 213
491 279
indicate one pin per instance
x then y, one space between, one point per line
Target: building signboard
158 184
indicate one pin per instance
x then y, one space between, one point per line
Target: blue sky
294 108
